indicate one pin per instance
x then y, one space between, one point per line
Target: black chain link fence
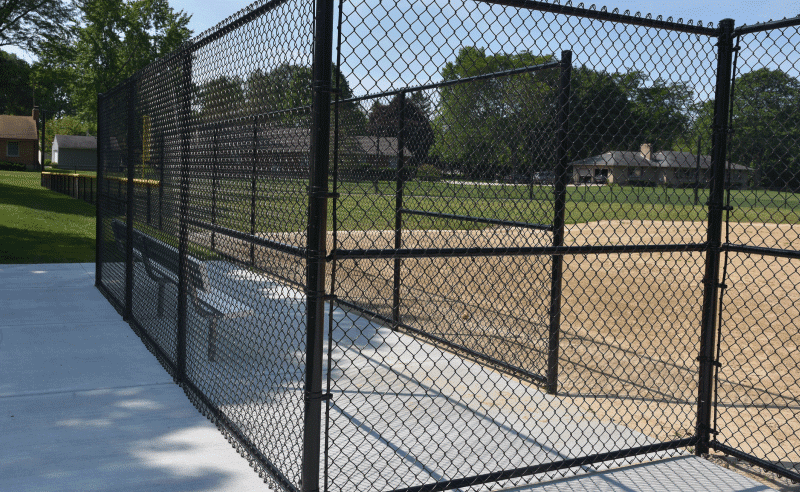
757 408
408 246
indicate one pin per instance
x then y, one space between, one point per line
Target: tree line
82 48
506 125
485 129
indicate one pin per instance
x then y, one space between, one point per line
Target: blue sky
396 68
207 13
401 57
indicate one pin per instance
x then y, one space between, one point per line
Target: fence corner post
559 205
316 248
719 137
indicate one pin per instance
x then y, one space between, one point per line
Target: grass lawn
41 226
281 204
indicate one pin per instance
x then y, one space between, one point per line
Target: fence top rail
446 83
767 26
613 16
235 21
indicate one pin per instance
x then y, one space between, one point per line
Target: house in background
668 168
76 152
287 149
19 139
284 151
379 152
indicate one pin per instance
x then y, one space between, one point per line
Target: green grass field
41 226
281 205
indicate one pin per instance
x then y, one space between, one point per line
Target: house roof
285 139
665 159
378 145
294 140
299 140
616 158
75 142
18 127
687 160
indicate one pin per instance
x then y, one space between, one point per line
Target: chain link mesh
477 207
518 239
757 410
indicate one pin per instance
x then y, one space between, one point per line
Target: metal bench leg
212 339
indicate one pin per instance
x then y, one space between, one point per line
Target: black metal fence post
129 162
98 227
398 214
559 204
183 226
719 139
317 243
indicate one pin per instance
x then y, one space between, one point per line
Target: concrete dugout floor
85 407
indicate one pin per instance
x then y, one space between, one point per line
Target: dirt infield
629 326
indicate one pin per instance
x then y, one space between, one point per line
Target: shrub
426 172
11 166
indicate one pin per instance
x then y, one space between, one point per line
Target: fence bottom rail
766 465
549 467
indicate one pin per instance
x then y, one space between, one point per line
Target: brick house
19 139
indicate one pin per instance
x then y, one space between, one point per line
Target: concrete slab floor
84 406
682 473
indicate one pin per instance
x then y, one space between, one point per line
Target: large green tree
113 40
602 117
26 24
661 111
221 98
52 78
288 87
16 95
507 124
418 137
765 127
766 124
492 126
